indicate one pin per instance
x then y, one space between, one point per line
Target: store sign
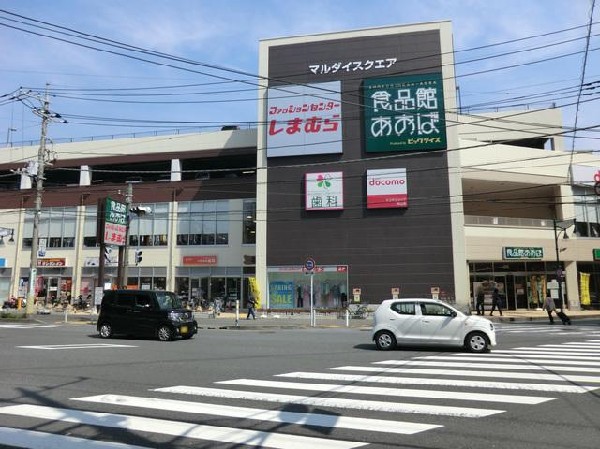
115 224
2 262
515 252
404 113
199 260
324 191
281 295
596 253
302 269
386 188
54 262
303 120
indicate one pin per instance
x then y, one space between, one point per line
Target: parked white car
422 321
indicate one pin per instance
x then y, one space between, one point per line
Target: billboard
387 188
404 113
115 222
324 191
304 119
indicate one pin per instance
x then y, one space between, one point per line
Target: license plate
183 329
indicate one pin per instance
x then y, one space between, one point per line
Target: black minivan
148 313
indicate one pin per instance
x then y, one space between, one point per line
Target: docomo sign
386 188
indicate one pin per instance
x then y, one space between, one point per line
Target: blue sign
2 262
281 295
310 264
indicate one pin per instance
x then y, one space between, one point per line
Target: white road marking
78 346
390 407
26 326
303 419
558 388
558 349
494 374
32 439
178 429
463 364
392 392
503 359
545 354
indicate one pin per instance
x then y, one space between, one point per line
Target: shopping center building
362 169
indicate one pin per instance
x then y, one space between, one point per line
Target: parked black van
148 313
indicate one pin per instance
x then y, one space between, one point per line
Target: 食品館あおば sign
516 252
404 113
115 222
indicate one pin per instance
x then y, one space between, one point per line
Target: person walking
479 302
550 307
496 302
251 307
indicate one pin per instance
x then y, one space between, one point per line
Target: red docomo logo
386 182
597 176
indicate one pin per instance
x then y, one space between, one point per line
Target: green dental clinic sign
404 113
517 252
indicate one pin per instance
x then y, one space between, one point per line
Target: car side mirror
454 314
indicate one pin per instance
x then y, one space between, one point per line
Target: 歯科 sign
324 191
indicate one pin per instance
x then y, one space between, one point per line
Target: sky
152 67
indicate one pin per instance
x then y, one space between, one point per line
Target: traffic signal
107 254
138 256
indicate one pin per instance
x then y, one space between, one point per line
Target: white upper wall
130 146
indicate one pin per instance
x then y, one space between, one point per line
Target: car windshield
168 300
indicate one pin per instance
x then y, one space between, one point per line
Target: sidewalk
227 320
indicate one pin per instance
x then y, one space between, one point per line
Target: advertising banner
324 191
281 295
115 222
303 120
404 113
199 260
387 188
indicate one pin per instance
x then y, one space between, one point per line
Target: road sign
310 264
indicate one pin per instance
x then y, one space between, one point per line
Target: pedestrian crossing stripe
557 388
391 392
303 419
178 429
32 439
494 374
504 358
26 326
356 404
462 364
543 354
78 346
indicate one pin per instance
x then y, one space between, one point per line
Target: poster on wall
304 119
387 188
324 191
281 295
404 113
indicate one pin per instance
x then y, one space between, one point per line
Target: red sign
199 260
56 262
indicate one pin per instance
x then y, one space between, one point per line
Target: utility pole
122 268
46 117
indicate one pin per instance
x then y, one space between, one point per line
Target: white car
422 321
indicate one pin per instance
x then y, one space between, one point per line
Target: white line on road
32 439
302 419
378 406
26 326
557 388
503 359
479 365
494 374
391 392
544 354
79 346
178 429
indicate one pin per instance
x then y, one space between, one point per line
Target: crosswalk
543 329
387 397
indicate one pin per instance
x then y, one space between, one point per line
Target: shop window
203 223
90 242
55 242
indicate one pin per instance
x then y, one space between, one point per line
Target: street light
560 227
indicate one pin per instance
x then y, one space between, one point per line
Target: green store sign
517 252
404 113
596 253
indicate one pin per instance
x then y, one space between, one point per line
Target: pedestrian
550 307
251 306
479 302
496 302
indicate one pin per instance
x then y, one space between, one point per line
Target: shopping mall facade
362 169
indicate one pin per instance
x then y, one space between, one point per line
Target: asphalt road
61 386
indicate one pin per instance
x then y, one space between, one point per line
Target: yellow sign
584 293
255 291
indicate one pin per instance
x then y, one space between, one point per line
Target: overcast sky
107 90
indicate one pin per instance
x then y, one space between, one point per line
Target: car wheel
385 340
164 333
105 330
476 342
